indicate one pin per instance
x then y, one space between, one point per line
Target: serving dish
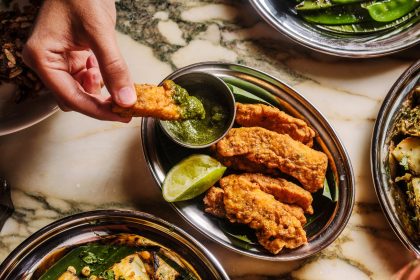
161 154
281 15
17 116
380 152
84 227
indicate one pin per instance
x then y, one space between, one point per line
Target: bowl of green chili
349 28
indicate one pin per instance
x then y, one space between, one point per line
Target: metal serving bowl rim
325 49
380 133
339 144
73 220
231 115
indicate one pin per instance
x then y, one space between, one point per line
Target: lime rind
191 177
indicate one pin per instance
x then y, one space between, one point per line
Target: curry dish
404 164
117 257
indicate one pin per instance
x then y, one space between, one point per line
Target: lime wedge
191 177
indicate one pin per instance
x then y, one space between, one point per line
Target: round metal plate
281 15
296 105
88 226
380 151
18 116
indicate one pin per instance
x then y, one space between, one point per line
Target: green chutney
191 106
201 131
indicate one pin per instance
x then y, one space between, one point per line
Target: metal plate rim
340 145
50 108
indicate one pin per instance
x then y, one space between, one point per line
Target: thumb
114 70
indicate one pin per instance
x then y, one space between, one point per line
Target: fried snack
275 226
268 149
166 102
213 202
283 190
273 119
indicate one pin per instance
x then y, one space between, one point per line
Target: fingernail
126 96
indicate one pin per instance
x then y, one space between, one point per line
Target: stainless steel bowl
380 151
295 104
281 15
88 226
217 88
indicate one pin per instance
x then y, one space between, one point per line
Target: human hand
73 49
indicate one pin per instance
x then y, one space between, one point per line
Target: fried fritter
271 150
275 226
283 190
213 202
166 102
271 118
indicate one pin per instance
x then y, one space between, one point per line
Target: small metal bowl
282 16
89 226
380 151
203 81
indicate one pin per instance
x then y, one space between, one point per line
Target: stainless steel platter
281 15
88 226
380 151
155 143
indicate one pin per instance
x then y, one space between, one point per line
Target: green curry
117 257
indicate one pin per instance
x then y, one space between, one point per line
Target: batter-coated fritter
273 119
271 150
275 227
283 190
213 202
162 102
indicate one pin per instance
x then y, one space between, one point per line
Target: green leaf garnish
243 235
327 191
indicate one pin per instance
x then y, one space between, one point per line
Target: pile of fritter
273 149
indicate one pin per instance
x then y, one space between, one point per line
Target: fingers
114 70
69 93
72 97
92 80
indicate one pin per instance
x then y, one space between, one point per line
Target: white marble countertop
71 163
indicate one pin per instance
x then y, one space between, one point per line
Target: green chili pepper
373 26
308 5
346 1
346 14
390 10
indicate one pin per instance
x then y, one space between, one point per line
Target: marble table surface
71 163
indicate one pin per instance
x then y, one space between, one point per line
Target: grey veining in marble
91 164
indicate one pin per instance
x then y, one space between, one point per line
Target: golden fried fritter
273 119
213 202
275 226
163 103
271 150
152 101
283 190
